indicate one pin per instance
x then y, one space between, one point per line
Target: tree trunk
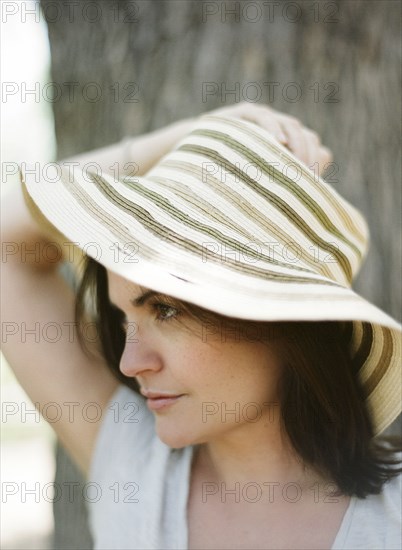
124 68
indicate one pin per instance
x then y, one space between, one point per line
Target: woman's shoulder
390 498
375 521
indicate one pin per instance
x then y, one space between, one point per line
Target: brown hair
322 405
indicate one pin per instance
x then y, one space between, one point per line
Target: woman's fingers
262 115
297 140
270 123
303 142
267 118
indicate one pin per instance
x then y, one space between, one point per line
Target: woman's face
225 383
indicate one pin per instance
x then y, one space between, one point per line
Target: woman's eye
165 312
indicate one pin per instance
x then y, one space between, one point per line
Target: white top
138 487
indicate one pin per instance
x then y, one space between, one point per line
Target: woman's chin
175 437
175 440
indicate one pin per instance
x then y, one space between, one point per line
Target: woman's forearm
133 156
24 227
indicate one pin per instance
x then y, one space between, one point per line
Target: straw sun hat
231 221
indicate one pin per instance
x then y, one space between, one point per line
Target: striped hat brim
231 221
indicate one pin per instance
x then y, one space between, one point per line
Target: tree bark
124 68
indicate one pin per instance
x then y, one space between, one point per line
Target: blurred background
80 75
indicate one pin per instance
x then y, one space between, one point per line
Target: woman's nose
139 357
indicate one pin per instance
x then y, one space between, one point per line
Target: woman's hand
303 142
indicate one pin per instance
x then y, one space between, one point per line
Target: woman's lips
157 400
162 402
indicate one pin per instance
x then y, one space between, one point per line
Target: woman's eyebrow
140 301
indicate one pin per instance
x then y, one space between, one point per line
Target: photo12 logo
269 11
89 492
73 91
89 11
270 91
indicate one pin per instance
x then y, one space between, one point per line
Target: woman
253 381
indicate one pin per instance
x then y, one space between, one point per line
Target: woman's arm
39 335
135 156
